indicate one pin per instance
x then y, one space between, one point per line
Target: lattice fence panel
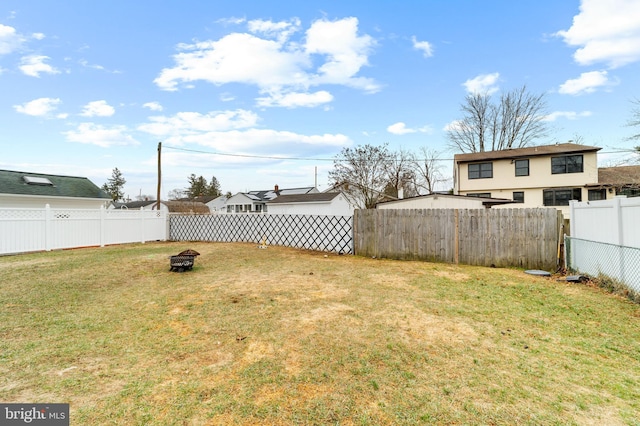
313 232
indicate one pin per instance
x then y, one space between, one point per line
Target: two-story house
539 176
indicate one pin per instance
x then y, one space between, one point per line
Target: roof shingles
13 183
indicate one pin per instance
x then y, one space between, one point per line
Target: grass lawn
285 336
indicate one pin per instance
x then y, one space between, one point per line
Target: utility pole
159 176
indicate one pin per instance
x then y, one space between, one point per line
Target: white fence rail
25 230
608 221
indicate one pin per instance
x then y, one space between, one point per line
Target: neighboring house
255 201
443 201
140 205
191 207
540 176
35 190
218 204
319 203
355 198
621 180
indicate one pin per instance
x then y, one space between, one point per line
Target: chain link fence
313 232
597 259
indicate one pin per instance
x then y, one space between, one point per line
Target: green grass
284 336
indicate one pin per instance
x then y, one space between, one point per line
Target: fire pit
183 261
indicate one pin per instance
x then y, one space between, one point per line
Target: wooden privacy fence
527 238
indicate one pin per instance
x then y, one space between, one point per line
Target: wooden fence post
456 242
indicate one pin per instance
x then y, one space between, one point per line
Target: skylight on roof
37 180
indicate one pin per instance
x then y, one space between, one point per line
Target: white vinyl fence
32 229
605 240
607 221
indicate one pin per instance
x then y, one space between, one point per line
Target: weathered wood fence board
525 238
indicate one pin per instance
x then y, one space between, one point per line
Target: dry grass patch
284 336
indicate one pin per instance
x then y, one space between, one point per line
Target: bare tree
361 173
513 122
399 174
634 121
427 170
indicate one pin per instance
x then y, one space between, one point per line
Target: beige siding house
541 176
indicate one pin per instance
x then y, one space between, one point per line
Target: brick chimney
275 188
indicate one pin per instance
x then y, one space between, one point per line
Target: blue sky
89 86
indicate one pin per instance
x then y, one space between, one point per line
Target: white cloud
424 46
185 123
588 82
10 40
346 53
292 100
105 137
455 125
569 115
235 131
605 31
401 128
331 52
98 109
483 84
153 106
235 58
38 107
279 30
227 97
34 65
38 36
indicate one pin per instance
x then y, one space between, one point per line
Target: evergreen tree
115 185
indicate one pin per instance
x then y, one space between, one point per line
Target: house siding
505 182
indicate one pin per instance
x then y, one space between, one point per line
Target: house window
481 171
567 164
561 197
597 194
522 167
629 192
480 195
518 196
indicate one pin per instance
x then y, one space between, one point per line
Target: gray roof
270 194
305 198
134 204
14 182
533 151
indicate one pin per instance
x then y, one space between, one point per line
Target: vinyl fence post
617 220
47 227
102 223
142 225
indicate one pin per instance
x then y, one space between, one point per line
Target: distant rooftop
40 184
532 151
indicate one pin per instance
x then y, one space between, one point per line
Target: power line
271 157
265 157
